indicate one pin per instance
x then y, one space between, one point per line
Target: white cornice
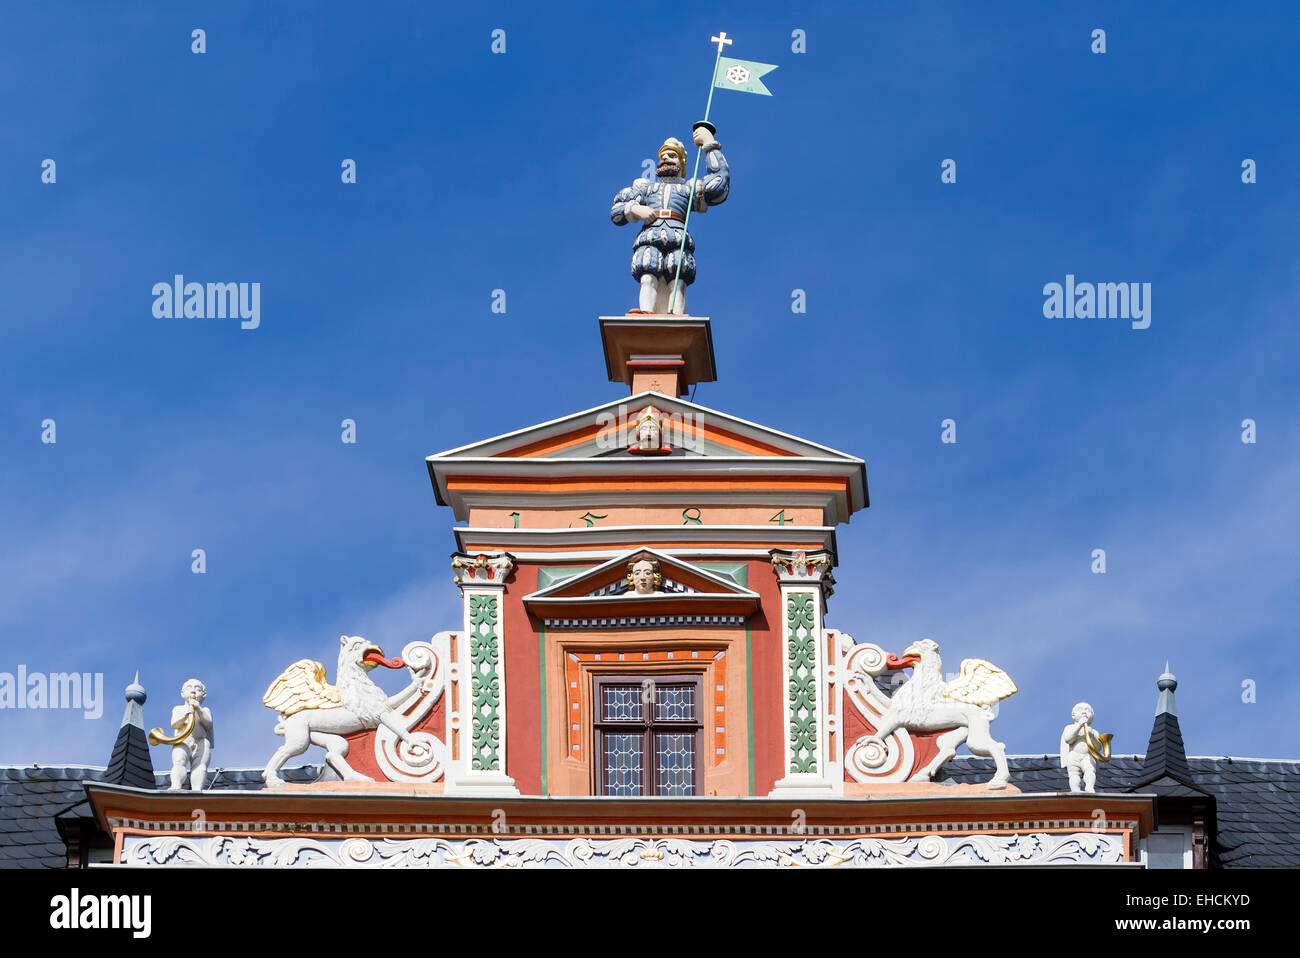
730 466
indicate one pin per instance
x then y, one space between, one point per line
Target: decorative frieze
644 621
1028 848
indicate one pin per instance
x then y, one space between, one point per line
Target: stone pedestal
659 353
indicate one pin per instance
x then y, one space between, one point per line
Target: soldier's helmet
674 145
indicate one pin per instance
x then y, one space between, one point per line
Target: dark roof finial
1166 757
135 691
1166 684
130 763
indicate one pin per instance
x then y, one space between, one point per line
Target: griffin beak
374 655
910 658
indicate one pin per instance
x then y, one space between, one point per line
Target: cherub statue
1082 748
661 205
643 577
192 744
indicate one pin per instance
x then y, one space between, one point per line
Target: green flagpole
721 40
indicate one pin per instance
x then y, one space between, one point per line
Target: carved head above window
643 577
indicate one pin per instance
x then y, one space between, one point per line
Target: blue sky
479 172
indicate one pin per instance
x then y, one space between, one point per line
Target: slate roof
1258 800
32 798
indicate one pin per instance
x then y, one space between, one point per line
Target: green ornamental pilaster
805 580
801 671
481 705
485 682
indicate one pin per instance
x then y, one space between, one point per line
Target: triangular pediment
704 455
688 430
682 590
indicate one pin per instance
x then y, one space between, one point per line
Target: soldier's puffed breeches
657 250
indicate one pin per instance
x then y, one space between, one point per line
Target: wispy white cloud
1175 590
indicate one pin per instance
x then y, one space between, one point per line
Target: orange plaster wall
656 380
523 684
695 649
570 517
768 678
524 696
523 693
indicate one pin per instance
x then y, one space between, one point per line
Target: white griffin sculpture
926 703
313 712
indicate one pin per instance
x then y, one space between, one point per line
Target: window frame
647 726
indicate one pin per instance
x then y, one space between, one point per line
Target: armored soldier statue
661 205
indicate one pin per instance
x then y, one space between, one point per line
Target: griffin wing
300 687
980 683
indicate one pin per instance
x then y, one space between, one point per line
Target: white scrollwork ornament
869 761
426 761
931 847
356 851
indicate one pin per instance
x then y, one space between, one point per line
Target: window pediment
606 596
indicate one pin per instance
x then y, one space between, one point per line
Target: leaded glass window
648 731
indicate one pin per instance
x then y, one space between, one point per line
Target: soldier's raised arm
711 188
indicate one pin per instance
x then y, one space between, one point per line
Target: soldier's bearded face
668 165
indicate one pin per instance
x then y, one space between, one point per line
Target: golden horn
1099 745
158 737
